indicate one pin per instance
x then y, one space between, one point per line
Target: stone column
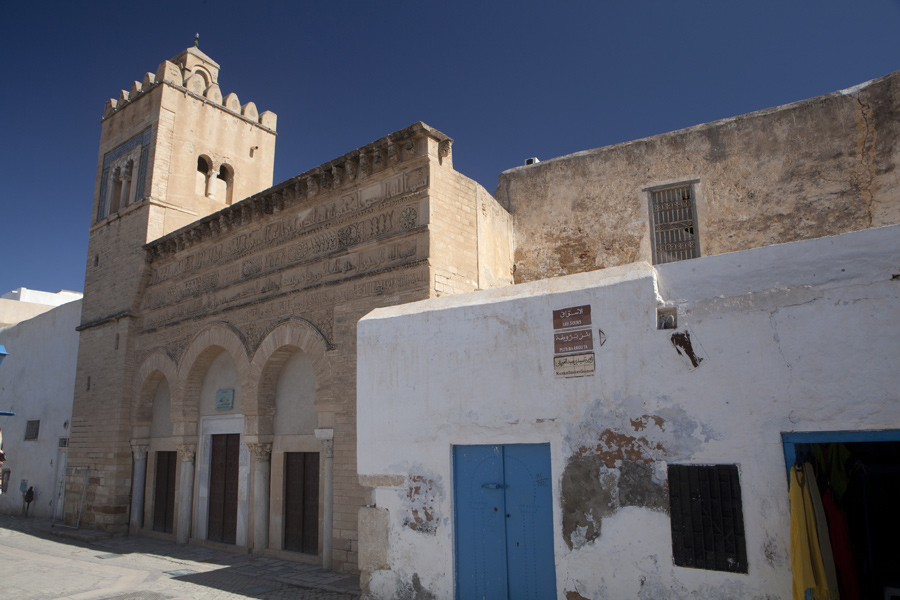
326 436
261 469
137 487
186 453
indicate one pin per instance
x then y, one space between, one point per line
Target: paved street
43 563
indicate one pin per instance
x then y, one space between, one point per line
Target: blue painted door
504 522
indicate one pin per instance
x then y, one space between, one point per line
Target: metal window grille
707 518
31 429
673 214
64 442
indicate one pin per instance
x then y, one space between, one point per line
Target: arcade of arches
227 445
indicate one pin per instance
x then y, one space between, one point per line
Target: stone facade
259 298
814 168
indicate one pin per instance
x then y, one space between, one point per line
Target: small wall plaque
224 399
575 316
573 341
576 365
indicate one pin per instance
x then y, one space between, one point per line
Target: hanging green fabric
810 580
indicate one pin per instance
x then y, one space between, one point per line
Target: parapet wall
195 82
814 168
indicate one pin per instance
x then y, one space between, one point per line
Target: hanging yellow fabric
810 582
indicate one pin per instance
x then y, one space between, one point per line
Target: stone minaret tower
172 150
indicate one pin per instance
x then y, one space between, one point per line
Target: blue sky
506 80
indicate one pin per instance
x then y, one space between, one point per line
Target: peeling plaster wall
818 167
797 337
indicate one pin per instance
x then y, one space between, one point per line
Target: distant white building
37 381
21 304
560 434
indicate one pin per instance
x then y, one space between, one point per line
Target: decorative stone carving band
186 452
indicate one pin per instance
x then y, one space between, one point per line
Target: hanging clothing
848 583
810 579
821 528
832 460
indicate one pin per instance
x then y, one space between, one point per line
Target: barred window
673 218
31 429
707 517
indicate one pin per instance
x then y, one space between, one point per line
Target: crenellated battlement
330 177
195 73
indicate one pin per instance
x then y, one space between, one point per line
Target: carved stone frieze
301 225
409 218
235 282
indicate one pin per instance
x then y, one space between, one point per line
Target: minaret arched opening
226 176
204 168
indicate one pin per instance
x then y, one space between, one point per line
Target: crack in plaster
867 157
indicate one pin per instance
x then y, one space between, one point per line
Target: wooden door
301 502
164 492
223 488
504 522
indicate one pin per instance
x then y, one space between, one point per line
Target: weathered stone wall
814 168
797 337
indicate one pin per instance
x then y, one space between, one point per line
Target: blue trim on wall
790 439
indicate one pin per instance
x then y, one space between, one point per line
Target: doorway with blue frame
856 475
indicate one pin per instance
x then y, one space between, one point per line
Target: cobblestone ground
40 562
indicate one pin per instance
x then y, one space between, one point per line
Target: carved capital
261 452
329 447
140 452
186 452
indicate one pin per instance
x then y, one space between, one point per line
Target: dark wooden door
223 488
164 493
301 502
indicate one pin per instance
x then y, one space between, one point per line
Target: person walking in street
29 497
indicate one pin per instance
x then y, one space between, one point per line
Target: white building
465 401
37 381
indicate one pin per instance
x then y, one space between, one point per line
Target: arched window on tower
116 191
127 188
226 175
204 168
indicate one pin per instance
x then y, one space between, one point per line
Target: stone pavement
40 562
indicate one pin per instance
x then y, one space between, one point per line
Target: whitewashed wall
37 381
799 337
